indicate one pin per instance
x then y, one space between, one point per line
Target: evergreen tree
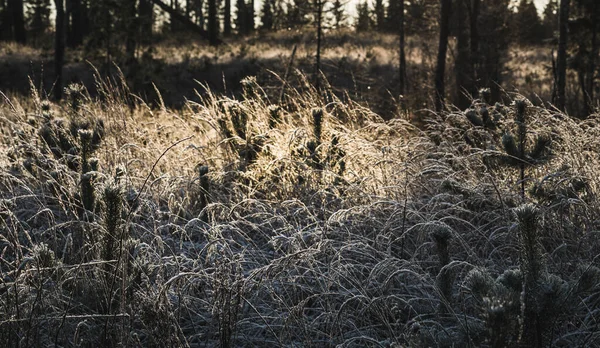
38 15
213 23
379 12
227 18
251 20
101 20
492 45
16 16
241 17
527 23
173 23
267 15
4 21
146 19
197 11
297 13
363 17
550 19
393 15
75 17
584 28
130 27
338 14
418 16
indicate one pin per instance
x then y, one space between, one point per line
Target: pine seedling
54 133
313 145
204 186
336 158
274 115
479 114
441 236
241 140
317 115
112 199
531 267
251 88
75 95
224 128
44 256
516 151
87 189
239 120
46 111
499 301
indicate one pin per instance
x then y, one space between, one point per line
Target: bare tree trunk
446 7
18 20
146 19
175 8
132 25
227 18
251 24
59 47
561 60
402 66
212 22
463 66
108 31
319 8
589 93
75 29
475 9
5 22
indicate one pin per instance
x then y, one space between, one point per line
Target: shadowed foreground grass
311 223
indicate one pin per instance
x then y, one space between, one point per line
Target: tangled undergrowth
311 222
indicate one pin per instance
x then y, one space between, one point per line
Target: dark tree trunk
591 73
59 48
446 7
251 24
145 19
475 8
174 22
6 22
561 59
319 9
75 33
18 20
227 18
68 26
131 27
463 66
213 24
85 19
108 31
402 66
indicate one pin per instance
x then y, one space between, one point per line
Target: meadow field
155 211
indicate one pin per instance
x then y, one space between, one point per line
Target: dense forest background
418 52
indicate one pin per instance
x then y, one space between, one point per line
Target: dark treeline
476 33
